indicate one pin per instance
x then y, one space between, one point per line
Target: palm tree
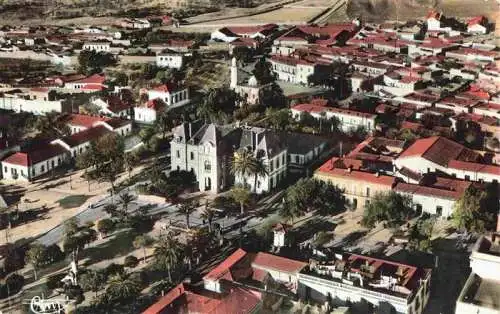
187 207
240 195
208 215
122 287
168 253
126 199
142 241
244 163
130 161
260 170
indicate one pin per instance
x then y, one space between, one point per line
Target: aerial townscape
250 156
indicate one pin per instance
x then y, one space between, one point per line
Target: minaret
234 74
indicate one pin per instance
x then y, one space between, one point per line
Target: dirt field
377 10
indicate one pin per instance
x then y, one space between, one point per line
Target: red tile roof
35 156
182 299
273 262
476 20
93 79
433 14
166 88
85 136
223 268
328 168
439 150
82 120
453 191
474 167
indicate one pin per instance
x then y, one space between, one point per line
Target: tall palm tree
187 207
122 287
142 242
244 163
168 253
260 170
126 199
208 215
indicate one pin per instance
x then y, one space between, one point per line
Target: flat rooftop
481 292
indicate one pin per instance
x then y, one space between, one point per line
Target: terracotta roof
328 168
282 264
85 136
474 167
476 20
411 125
93 79
35 156
182 299
453 191
155 104
166 88
223 268
82 120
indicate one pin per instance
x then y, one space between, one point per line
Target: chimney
377 174
349 169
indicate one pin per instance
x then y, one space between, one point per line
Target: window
178 154
192 155
467 177
208 166
367 202
283 159
439 210
367 192
33 172
297 159
42 168
271 166
355 203
53 163
5 169
277 163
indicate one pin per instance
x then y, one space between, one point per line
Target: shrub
53 254
114 269
54 281
14 282
130 261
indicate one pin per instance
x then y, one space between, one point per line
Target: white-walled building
29 165
148 112
19 103
477 25
480 292
171 94
170 60
295 70
437 198
113 106
97 46
439 154
93 83
386 285
348 119
207 151
79 142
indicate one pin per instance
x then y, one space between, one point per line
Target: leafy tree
106 159
36 257
142 242
51 125
70 227
104 226
168 254
130 161
263 72
470 214
130 261
391 207
242 196
90 61
92 281
187 207
242 53
74 293
279 119
111 209
53 254
122 287
14 282
216 104
273 97
147 134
